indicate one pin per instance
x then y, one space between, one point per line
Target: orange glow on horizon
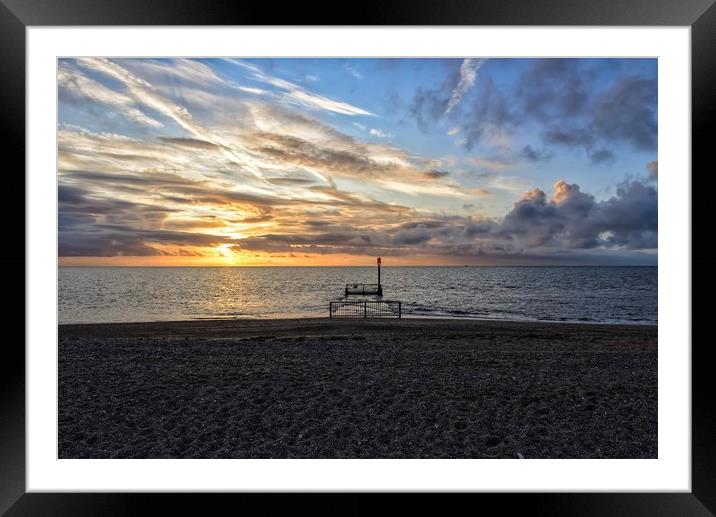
264 260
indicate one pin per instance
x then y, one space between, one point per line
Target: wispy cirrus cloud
80 88
296 94
468 75
380 133
354 72
189 194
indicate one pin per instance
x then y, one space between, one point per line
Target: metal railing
364 289
365 309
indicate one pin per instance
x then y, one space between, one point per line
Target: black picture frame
17 15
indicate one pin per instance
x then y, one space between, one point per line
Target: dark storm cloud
531 154
627 112
430 104
631 216
601 156
486 111
579 137
93 226
562 97
554 88
489 111
574 219
418 235
74 200
570 137
68 222
568 222
560 94
88 244
393 103
115 240
70 195
479 228
533 219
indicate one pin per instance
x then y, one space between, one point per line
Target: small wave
457 313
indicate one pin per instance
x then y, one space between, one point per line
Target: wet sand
320 388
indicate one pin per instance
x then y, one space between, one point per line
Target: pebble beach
320 388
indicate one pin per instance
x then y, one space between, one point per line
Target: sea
567 294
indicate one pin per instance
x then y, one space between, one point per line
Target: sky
460 161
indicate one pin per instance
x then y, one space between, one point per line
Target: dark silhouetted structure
374 307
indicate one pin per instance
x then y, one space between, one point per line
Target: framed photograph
420 250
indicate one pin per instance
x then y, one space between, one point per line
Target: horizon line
329 266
